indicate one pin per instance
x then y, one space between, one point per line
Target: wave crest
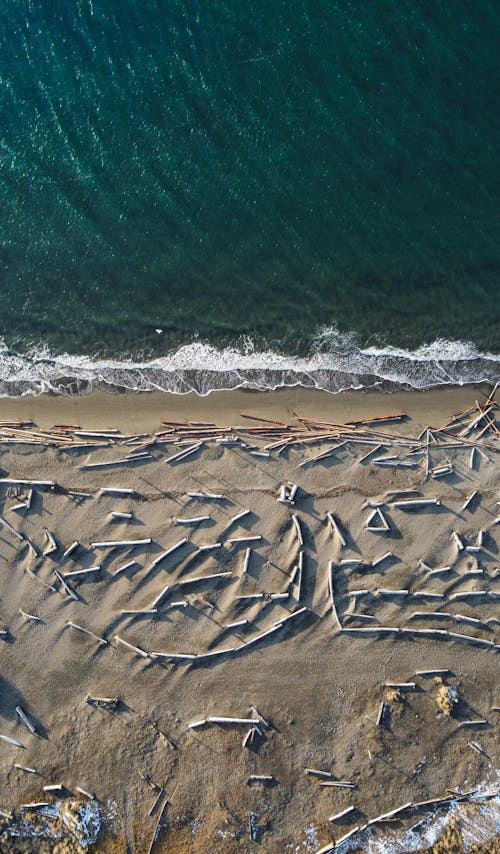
334 364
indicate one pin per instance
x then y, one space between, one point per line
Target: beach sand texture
276 575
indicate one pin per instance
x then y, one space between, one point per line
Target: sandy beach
263 645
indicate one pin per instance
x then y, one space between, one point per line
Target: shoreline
141 411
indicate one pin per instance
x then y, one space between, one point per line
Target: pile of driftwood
463 429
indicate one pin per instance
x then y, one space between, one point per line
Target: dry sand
320 688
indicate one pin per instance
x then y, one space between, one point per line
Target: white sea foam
335 363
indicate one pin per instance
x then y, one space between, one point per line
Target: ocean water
215 194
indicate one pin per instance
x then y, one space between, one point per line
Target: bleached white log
342 814
401 686
293 616
66 586
130 646
385 592
474 640
125 566
52 542
87 632
388 815
423 615
25 719
380 629
76 572
340 784
456 536
260 778
380 525
332 594
131 612
381 712
194 520
184 453
12 741
87 794
195 580
314 772
207 496
439 570
11 529
74 545
10 480
298 530
160 596
468 500
262 719
381 558
115 514
108 544
115 490
239 516
299 582
438 672
30 616
210 547
260 636
249 539
370 453
395 464
113 463
246 560
468 594
464 619
416 503
212 719
441 472
336 528
168 552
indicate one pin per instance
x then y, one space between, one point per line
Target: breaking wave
334 363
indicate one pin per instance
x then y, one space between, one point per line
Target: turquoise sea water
286 190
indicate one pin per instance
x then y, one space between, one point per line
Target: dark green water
221 170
